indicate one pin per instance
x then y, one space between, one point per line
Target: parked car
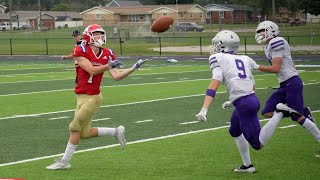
297 22
188 26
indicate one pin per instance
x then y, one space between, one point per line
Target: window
191 15
98 16
201 15
133 18
221 13
164 14
236 14
209 14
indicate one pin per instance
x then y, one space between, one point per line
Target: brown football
161 24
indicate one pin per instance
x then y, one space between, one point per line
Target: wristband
211 92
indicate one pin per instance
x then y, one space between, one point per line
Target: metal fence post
11 47
245 45
47 47
120 41
160 45
200 46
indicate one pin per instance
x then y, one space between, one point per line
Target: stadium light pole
273 10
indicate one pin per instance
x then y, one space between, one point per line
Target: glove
114 64
201 116
139 63
226 105
256 66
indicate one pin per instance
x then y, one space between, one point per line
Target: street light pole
273 10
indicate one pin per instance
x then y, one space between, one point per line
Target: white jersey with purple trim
279 47
235 72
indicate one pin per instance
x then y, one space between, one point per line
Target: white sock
71 148
267 130
102 131
312 129
243 147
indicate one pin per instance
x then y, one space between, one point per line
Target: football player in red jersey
93 60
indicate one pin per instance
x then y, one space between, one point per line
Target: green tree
61 7
310 6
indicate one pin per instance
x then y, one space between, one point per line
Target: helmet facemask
98 40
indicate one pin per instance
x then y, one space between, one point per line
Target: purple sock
302 121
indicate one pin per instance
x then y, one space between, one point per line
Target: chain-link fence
149 45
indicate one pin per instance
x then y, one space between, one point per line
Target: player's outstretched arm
87 66
274 68
118 75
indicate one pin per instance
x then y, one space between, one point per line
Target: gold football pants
87 105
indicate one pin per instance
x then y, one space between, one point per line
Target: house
229 13
2 9
114 3
71 18
47 21
110 16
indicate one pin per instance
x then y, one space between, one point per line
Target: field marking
191 122
120 85
143 121
125 104
128 143
161 73
62 117
114 145
102 119
125 85
289 126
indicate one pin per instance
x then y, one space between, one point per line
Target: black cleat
245 169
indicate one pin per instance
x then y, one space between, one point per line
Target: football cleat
245 169
119 135
59 164
307 114
287 111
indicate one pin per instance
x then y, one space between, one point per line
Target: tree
310 6
61 7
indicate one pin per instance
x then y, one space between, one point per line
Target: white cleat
245 169
120 136
287 111
59 164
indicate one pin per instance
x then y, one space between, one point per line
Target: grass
58 42
34 92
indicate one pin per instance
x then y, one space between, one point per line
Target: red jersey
86 83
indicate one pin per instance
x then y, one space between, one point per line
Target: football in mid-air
161 24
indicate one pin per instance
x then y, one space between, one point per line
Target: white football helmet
271 30
226 42
91 39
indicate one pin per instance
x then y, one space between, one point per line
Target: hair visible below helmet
225 42
89 37
271 30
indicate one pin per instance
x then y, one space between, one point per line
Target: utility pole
10 17
40 23
273 10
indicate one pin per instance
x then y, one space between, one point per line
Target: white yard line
143 121
289 126
162 73
62 117
114 145
191 122
102 119
124 104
